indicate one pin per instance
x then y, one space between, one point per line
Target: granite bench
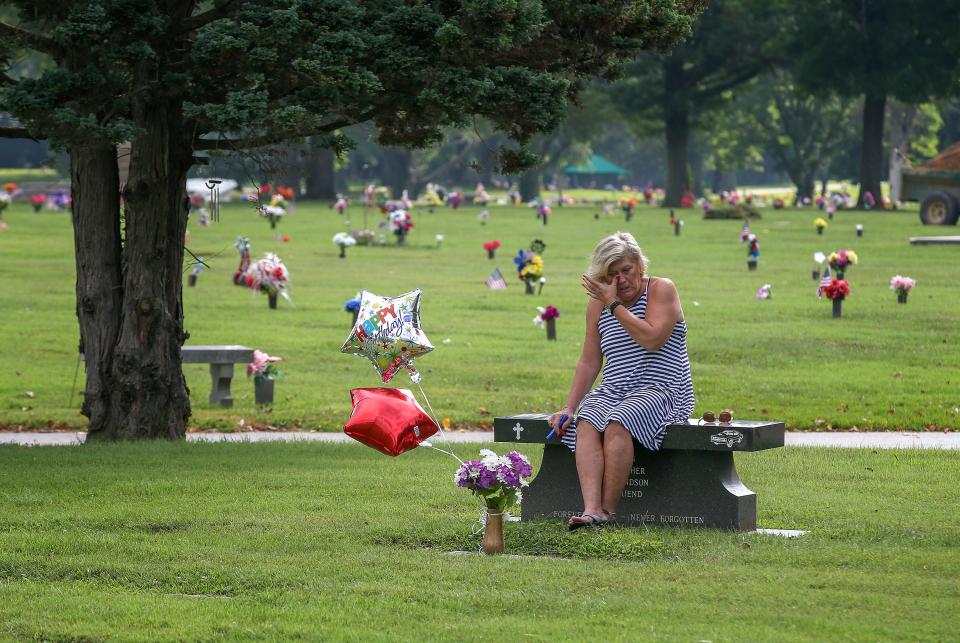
692 481
221 360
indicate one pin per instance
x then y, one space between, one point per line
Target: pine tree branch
246 142
220 10
32 40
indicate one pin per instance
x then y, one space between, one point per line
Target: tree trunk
96 228
148 397
530 183
871 159
900 147
396 171
294 168
320 174
678 132
805 187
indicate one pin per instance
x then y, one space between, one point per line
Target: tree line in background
761 90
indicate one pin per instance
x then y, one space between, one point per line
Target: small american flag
495 280
745 231
824 282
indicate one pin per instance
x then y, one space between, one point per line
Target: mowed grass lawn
882 366
161 541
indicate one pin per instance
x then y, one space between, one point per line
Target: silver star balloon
388 333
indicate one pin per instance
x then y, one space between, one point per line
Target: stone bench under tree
692 481
221 360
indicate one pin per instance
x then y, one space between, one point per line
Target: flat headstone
929 241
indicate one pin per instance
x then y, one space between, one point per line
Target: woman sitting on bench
635 323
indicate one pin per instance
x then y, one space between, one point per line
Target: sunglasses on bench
726 417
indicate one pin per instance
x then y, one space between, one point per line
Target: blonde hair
616 247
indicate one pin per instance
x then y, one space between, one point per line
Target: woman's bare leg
617 461
590 466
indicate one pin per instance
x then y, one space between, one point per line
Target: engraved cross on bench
517 429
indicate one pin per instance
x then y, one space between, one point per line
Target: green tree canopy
906 49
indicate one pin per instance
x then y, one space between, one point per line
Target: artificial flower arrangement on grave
269 275
363 237
37 201
400 223
530 263
498 480
841 260
765 292
545 314
836 289
262 368
491 248
820 223
10 187
343 241
903 285
352 305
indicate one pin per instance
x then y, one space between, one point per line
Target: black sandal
595 521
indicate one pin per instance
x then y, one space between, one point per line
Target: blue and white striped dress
641 389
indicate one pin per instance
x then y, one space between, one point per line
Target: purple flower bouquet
496 479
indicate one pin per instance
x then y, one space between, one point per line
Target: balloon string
433 416
432 413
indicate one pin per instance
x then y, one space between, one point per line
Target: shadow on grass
549 539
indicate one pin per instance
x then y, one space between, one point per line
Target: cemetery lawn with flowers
880 366
187 541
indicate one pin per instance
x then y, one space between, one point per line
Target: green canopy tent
595 173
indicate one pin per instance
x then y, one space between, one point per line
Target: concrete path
887 440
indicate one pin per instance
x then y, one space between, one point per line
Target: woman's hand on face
605 293
555 423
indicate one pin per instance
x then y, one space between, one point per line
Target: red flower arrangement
491 245
838 289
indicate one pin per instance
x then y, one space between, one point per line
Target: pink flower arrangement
902 284
491 245
262 366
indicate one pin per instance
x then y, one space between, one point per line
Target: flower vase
676 228
343 252
529 286
751 264
191 280
272 299
552 328
839 273
816 275
902 297
273 221
493 533
490 253
819 230
263 390
837 306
